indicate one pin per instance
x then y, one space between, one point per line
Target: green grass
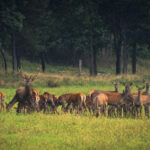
66 131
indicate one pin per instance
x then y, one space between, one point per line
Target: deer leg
3 106
125 110
10 105
63 107
68 106
109 111
146 111
19 108
140 111
120 111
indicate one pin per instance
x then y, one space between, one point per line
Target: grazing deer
49 102
24 95
2 97
63 100
77 100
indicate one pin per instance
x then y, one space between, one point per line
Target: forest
65 31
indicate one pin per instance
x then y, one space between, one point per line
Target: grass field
65 131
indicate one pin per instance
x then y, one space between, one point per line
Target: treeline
64 31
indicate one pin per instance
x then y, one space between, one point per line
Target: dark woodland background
64 31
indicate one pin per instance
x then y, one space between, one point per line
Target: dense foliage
64 31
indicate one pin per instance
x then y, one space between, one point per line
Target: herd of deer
97 101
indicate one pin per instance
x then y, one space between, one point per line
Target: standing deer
24 95
2 97
78 100
101 100
116 86
147 85
139 101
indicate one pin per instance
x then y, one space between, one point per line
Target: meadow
70 131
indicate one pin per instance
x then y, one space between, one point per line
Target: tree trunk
42 61
80 67
125 54
134 58
109 46
13 52
91 54
4 62
95 61
117 44
18 63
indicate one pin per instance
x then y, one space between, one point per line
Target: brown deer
50 102
63 100
139 101
101 100
147 85
2 97
24 95
116 86
117 100
78 100
89 103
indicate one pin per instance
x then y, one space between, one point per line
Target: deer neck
28 89
116 89
139 97
147 90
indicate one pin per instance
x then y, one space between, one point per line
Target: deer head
147 84
28 78
116 84
140 88
128 87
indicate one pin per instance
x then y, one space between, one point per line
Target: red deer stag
2 97
147 85
24 95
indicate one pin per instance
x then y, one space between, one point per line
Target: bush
53 83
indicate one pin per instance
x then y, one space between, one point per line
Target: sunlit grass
40 131
66 131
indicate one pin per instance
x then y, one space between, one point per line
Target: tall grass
66 131
39 131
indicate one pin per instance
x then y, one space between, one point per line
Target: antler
140 88
33 77
24 76
123 83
